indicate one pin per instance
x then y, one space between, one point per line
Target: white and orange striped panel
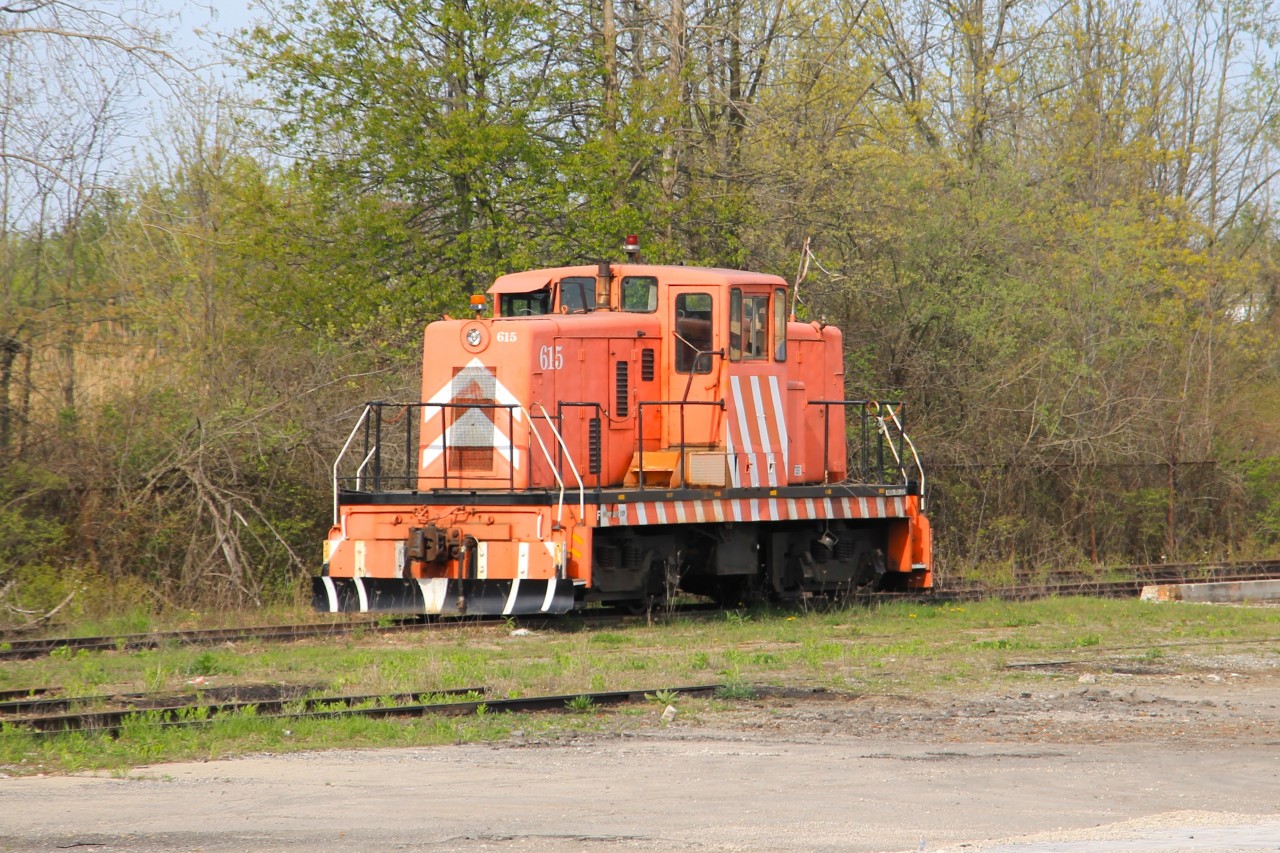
757 435
749 509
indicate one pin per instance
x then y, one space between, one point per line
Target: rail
870 441
906 439
640 407
188 711
568 457
391 431
343 452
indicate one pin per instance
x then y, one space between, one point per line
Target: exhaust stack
604 287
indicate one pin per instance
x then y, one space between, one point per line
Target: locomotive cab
617 433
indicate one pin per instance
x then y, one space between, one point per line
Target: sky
208 16
193 27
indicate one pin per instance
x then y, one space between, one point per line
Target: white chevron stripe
362 594
762 427
511 598
550 597
781 420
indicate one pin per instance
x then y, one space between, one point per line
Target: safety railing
385 441
878 449
337 462
555 471
682 405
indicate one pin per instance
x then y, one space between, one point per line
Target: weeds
735 691
609 639
663 697
581 704
205 664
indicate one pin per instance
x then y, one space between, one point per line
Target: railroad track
1058 584
194 711
22 649
19 649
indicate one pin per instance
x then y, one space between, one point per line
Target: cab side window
735 324
692 324
779 325
640 294
577 294
748 326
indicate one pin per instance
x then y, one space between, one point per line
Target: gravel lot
1090 762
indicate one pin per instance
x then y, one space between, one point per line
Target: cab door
696 366
756 421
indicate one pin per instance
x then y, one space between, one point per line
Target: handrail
872 409
343 452
915 456
826 431
884 430
359 471
640 424
582 498
533 430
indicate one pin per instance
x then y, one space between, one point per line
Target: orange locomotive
616 433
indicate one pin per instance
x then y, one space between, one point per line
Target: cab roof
533 280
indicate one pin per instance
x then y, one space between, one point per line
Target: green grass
898 648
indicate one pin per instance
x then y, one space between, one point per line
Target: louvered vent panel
646 365
622 391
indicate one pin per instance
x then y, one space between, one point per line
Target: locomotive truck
618 433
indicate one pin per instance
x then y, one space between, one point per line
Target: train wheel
660 583
870 567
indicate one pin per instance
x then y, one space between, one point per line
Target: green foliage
1260 480
204 664
580 704
735 691
430 196
32 538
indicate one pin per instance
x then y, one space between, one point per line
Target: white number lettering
551 358
505 337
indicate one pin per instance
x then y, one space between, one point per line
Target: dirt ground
1083 762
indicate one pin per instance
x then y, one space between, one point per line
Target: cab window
748 326
577 294
692 323
735 325
779 325
640 294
